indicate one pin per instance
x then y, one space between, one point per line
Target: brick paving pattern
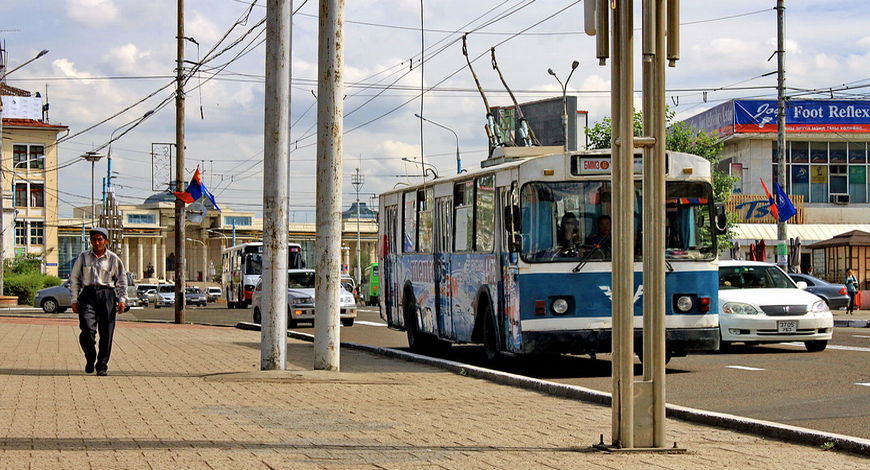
191 397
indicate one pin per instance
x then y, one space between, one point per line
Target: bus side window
484 206
463 216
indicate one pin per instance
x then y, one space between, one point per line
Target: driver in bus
569 236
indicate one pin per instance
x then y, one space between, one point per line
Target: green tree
680 138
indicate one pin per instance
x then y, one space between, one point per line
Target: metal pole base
614 449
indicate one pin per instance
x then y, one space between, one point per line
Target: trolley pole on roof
273 343
330 112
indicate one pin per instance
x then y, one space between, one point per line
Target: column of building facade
139 257
154 256
125 253
162 260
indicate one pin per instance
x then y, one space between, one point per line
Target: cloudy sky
106 55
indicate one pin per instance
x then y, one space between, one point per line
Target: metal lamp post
564 86
92 157
204 257
458 160
3 75
357 181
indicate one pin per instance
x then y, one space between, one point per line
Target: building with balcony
29 177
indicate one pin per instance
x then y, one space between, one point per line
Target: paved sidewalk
192 397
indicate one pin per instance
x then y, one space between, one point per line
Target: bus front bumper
679 341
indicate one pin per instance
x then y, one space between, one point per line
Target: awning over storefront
809 233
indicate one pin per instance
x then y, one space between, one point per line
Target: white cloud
92 12
201 28
127 59
68 69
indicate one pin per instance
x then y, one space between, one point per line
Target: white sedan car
759 303
300 300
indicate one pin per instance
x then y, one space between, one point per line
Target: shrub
23 278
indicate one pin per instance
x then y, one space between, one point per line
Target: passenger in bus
569 236
601 238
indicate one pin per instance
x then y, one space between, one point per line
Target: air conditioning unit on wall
839 198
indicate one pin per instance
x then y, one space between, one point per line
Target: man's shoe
89 368
102 372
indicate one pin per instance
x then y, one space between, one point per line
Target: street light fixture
92 157
3 75
458 160
564 86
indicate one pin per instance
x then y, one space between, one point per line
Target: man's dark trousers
97 310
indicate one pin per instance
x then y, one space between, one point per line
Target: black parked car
833 294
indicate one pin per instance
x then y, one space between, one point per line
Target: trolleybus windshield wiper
585 259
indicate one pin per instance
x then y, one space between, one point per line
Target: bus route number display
585 166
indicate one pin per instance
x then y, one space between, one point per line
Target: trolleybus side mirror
721 219
511 226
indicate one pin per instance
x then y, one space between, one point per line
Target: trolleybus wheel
490 338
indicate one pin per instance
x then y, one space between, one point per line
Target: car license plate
786 326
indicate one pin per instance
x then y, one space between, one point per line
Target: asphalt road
828 391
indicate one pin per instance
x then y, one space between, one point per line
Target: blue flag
783 204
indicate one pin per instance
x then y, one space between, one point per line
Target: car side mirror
801 285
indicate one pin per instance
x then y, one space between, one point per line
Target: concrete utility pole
180 219
650 396
622 98
273 343
638 411
781 231
357 180
330 112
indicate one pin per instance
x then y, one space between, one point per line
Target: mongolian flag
195 190
773 207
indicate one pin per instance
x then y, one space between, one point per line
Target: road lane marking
834 346
369 323
865 384
861 336
744 368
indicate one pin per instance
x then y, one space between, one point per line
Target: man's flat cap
99 230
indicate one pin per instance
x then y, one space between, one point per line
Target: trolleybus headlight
560 306
684 303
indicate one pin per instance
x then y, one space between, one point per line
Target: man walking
99 291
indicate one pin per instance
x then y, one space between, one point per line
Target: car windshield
300 280
192 290
753 277
166 288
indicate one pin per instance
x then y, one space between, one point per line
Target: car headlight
819 306
302 300
560 306
739 308
347 299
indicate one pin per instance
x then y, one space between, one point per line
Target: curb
741 424
852 323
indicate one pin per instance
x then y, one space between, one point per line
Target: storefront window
818 183
837 152
838 179
857 183
800 152
800 180
857 152
818 152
